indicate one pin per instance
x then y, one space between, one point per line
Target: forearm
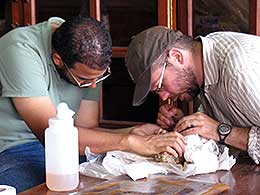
101 141
238 138
126 130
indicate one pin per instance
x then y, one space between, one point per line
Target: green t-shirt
26 70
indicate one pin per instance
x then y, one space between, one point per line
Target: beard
64 75
194 91
188 82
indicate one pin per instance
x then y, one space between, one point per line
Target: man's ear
57 59
176 54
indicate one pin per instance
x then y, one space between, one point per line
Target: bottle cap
63 111
64 116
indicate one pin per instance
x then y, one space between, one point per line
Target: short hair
83 39
185 42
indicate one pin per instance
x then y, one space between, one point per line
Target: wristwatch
223 131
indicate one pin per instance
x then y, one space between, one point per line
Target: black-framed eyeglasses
88 82
160 84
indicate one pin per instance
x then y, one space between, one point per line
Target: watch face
224 129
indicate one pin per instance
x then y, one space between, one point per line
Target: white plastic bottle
61 151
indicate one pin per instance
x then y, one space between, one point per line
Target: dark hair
185 42
85 40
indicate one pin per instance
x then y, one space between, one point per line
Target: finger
190 117
175 135
165 120
160 131
177 126
178 149
166 111
185 123
174 111
182 120
190 131
175 142
179 143
162 124
172 151
167 139
164 131
167 107
178 115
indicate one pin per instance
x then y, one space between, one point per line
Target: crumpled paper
201 156
206 155
135 166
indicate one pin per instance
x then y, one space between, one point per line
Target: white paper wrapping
7 190
201 156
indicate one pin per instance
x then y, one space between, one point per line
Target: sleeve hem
253 147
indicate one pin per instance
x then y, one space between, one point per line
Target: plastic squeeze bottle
61 151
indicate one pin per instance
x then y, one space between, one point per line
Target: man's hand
168 116
171 142
198 123
147 129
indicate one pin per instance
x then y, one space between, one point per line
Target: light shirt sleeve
254 144
246 94
23 74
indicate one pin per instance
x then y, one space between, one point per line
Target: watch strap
222 138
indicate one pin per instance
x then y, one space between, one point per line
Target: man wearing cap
60 61
222 69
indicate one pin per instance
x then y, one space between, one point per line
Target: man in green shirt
52 62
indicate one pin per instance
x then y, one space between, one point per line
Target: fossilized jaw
165 157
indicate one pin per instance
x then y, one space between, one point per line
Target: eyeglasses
160 84
88 82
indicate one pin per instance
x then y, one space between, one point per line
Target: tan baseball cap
143 50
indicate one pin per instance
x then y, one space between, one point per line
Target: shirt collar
47 28
210 62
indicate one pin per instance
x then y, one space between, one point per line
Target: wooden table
243 178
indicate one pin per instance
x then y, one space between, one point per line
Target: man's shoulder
26 34
223 33
233 36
